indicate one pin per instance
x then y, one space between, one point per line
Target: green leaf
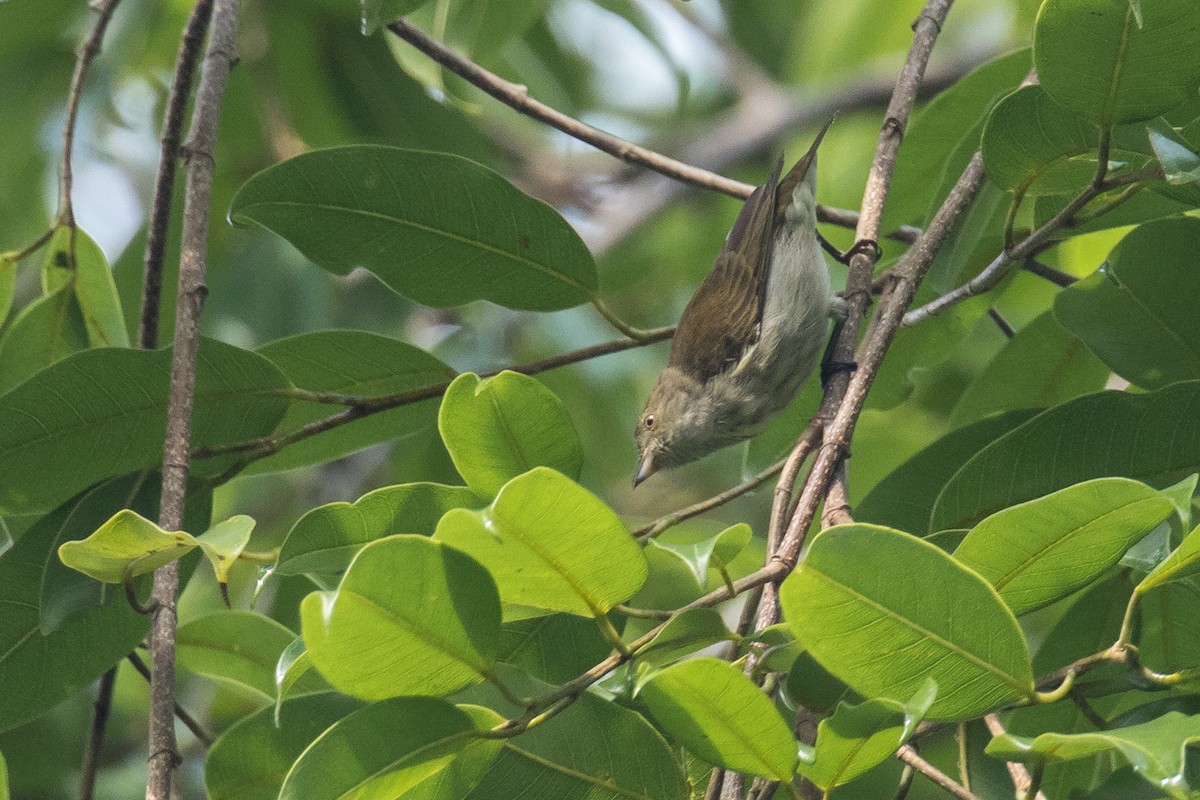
294 675
102 413
1180 164
250 760
1043 550
1032 144
858 737
1041 366
883 634
554 647
713 710
433 226
44 332
1183 562
549 543
91 280
715 551
1156 750
241 647
905 498
39 671
548 761
4 795
1170 638
934 129
1147 437
497 428
327 537
125 546
377 13
692 630
224 542
810 685
350 363
402 747
411 616
1136 312
1093 56
8 284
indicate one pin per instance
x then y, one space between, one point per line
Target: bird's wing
734 292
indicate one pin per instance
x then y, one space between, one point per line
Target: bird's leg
861 246
830 366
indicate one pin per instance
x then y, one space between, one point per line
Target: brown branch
696 509
164 182
264 446
200 146
517 97
911 757
1004 325
86 54
91 756
837 500
1035 242
1055 276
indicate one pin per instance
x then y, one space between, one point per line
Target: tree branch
910 756
201 143
164 182
696 509
91 755
189 722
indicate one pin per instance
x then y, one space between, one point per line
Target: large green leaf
550 543
905 498
556 760
436 227
241 647
715 711
1148 437
1157 750
1040 551
102 413
1170 638
38 671
411 616
327 537
410 747
884 631
499 427
1183 562
250 760
1101 59
553 648
1029 139
349 363
1137 312
46 331
858 737
1041 366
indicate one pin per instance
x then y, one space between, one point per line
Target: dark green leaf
436 227
715 551
1150 437
411 616
242 647
692 630
1040 551
1136 311
551 544
884 635
44 332
1029 139
351 363
8 284
553 648
103 412
713 710
1180 164
1094 57
327 537
497 428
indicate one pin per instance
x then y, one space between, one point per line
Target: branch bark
201 142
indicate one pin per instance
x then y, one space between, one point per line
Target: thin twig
264 446
189 722
1004 325
86 54
164 181
1042 270
200 147
91 756
911 757
1035 242
517 97
1021 778
696 509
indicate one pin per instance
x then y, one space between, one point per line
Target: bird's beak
645 469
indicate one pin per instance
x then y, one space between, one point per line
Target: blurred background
724 85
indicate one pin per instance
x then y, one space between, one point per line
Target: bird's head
676 426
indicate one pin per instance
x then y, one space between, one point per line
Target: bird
751 334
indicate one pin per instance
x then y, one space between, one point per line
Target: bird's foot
830 368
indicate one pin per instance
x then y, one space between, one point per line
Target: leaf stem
637 334
1063 689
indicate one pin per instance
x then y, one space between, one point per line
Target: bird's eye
648 421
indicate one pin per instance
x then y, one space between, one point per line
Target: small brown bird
751 334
